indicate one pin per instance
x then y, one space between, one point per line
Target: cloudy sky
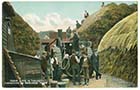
43 16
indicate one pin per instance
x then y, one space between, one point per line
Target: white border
68 88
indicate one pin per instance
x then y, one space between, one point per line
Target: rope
66 66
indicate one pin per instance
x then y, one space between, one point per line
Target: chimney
59 33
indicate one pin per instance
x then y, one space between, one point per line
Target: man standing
75 68
58 58
86 14
78 25
68 32
85 67
75 41
45 65
102 4
55 65
89 53
95 65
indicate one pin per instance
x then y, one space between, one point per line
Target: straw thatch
122 35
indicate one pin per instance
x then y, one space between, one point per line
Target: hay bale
122 35
118 50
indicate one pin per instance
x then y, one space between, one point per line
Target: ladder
13 67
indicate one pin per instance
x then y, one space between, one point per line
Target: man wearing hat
95 64
45 64
55 65
75 67
85 67
75 41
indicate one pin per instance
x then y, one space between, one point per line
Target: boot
84 82
79 83
100 76
96 77
74 83
87 82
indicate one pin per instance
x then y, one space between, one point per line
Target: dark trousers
75 70
94 68
57 73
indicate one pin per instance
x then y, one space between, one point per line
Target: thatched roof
122 35
90 20
7 8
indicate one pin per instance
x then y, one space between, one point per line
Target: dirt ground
106 81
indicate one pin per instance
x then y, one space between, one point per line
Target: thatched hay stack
97 24
122 35
118 49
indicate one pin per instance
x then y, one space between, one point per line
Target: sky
44 16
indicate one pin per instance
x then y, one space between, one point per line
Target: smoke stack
59 33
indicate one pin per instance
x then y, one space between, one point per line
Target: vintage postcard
68 44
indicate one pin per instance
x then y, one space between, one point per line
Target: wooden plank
26 57
4 37
4 44
4 34
4 24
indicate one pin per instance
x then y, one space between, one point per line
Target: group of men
83 63
51 64
82 59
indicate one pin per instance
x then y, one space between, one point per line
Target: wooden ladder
13 67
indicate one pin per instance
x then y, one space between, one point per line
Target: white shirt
52 60
66 56
77 59
89 51
58 54
85 59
